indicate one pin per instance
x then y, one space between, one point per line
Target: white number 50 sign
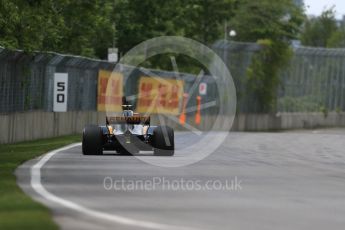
60 92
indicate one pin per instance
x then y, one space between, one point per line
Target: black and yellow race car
128 134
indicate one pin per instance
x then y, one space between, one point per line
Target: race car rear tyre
163 141
92 143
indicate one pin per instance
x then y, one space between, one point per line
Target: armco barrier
24 126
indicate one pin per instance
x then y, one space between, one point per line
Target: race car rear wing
134 120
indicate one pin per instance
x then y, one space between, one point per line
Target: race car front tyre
163 141
92 143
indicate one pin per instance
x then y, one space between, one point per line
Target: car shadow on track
149 154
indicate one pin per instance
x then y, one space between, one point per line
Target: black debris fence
314 80
26 80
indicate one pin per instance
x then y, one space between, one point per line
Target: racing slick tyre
92 143
163 141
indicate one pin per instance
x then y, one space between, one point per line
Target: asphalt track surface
290 180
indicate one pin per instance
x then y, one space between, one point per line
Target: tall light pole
231 33
225 30
113 53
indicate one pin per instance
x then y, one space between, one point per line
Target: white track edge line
39 188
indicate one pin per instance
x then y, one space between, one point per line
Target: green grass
17 210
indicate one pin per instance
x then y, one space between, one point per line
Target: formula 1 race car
128 134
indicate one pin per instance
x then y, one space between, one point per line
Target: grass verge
18 211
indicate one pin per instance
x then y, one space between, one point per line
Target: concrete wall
285 121
17 127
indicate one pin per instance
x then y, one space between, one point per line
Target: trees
137 21
272 24
87 27
198 19
324 31
26 24
74 27
201 20
319 30
204 20
8 23
337 39
276 20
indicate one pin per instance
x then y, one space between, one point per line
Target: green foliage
263 74
90 27
322 31
134 26
265 19
304 104
75 27
202 20
300 104
272 24
337 39
324 110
